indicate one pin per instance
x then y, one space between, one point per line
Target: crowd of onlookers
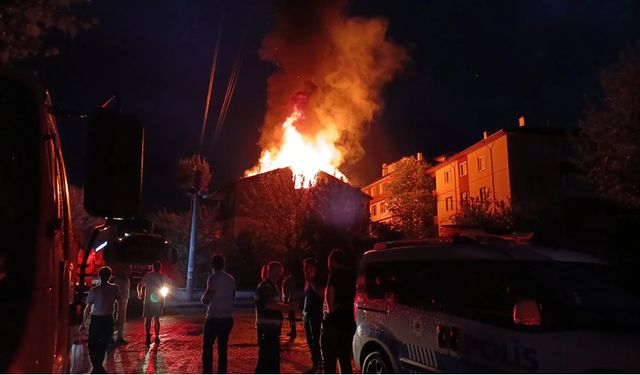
327 313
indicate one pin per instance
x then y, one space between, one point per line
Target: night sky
475 65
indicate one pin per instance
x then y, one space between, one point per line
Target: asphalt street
180 347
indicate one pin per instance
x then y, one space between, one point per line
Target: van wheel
376 363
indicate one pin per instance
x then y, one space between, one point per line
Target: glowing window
448 203
482 165
463 169
447 176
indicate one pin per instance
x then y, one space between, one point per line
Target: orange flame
305 156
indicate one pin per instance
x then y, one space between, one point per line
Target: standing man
219 297
312 311
120 278
100 306
153 298
338 325
288 286
269 309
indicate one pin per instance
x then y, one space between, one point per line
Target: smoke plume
339 64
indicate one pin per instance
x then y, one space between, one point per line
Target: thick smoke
340 62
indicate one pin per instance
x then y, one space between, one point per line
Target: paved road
181 340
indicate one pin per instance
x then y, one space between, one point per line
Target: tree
277 211
194 176
483 214
82 222
411 201
175 227
290 224
24 23
609 145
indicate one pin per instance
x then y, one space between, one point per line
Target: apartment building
377 190
526 168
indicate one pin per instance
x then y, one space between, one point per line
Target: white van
471 307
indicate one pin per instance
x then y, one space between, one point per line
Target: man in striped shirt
269 309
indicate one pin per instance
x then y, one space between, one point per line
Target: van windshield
572 295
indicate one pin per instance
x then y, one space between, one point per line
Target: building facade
377 190
528 169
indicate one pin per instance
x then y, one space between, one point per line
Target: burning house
321 99
278 196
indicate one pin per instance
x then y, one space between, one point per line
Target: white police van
472 307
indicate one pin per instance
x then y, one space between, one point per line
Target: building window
448 203
484 194
464 198
374 210
383 207
447 176
382 188
482 164
374 191
463 169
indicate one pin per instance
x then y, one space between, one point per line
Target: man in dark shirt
288 286
312 311
338 325
269 309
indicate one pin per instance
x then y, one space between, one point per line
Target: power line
212 74
233 79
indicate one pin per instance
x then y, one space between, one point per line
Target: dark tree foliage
194 174
175 227
289 224
483 214
609 146
25 23
411 201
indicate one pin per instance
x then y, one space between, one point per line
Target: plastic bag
80 361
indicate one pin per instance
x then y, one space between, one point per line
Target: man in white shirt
153 304
219 297
100 305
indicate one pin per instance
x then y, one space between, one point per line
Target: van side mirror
114 158
527 313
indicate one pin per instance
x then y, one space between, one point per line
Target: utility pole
197 187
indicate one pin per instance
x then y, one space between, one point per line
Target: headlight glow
164 291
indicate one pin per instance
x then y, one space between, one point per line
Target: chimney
484 135
521 121
419 156
384 169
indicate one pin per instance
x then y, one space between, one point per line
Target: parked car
464 306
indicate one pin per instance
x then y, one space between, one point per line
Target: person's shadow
124 364
149 361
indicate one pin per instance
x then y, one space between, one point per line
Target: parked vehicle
140 250
464 306
36 256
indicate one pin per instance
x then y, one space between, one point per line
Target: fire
305 156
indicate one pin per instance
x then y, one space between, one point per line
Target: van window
571 294
413 284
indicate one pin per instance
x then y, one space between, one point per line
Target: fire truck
38 260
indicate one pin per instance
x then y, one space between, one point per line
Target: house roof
492 137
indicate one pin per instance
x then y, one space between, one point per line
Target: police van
472 306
